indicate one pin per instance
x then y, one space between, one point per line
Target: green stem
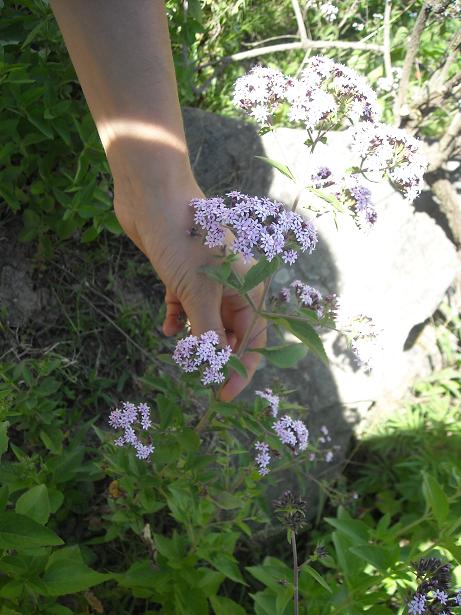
295 574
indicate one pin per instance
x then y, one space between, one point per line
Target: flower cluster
310 297
362 207
202 354
291 510
328 10
272 399
391 152
262 458
433 593
364 338
325 94
131 418
260 92
258 224
292 432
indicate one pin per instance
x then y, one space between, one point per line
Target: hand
158 220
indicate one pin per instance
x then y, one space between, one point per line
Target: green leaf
3 437
69 577
228 501
279 166
226 564
259 272
284 356
355 529
435 497
188 440
20 532
225 606
307 335
89 235
378 557
236 364
35 504
315 575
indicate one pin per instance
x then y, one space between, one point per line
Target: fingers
203 309
250 360
174 318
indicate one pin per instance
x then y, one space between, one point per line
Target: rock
398 274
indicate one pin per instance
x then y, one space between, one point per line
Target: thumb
203 310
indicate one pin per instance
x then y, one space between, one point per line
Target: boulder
398 273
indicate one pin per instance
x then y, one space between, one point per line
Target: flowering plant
327 96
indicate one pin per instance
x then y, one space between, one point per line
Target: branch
409 60
387 40
444 148
254 53
300 21
450 203
452 55
348 14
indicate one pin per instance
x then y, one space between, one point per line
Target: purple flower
201 354
273 400
363 206
292 432
329 456
258 225
391 152
130 419
284 295
418 605
262 458
322 178
440 596
309 296
260 92
458 598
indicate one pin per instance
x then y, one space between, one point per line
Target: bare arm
122 54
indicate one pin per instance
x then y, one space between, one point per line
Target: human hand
158 220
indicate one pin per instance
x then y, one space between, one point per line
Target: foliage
83 523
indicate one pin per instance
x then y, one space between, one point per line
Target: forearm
122 54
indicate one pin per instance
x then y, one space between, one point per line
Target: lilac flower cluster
130 419
262 458
258 224
260 92
322 178
362 205
433 593
292 432
312 298
272 399
391 152
417 605
202 354
309 296
328 10
325 94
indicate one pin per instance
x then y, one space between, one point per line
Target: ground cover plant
138 491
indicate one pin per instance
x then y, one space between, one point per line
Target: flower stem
203 422
295 573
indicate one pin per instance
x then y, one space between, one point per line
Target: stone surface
398 274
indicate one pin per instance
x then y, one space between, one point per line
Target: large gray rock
398 274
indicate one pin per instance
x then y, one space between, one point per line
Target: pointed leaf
20 532
259 272
286 355
279 166
315 575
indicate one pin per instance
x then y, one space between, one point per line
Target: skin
122 54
